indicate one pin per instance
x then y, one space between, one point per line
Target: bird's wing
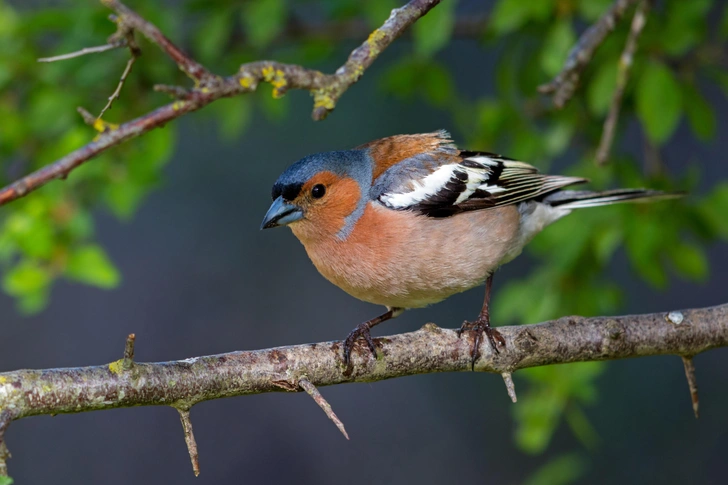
461 182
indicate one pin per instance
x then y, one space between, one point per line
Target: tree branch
326 89
623 68
563 86
182 384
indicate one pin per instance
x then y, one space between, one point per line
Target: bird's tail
578 199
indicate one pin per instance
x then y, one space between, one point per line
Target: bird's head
321 195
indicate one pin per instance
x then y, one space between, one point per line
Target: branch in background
83 52
563 86
26 393
623 68
135 52
325 88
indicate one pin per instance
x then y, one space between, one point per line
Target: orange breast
400 259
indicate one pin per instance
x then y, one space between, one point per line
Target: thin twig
128 361
692 383
563 86
323 404
84 51
325 88
184 416
623 68
510 387
131 20
117 91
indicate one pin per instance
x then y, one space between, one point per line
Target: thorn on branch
85 50
323 404
135 52
510 386
623 68
563 86
692 383
128 361
184 416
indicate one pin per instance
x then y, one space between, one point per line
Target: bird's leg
362 331
482 325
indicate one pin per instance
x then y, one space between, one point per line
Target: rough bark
186 382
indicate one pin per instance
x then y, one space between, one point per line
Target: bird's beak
281 213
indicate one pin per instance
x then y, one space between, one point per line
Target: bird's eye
318 191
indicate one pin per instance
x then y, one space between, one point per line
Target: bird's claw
480 327
361 331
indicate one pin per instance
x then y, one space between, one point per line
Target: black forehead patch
288 191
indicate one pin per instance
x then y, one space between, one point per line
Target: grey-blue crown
345 163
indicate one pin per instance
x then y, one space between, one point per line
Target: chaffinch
409 220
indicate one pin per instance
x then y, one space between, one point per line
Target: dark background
200 278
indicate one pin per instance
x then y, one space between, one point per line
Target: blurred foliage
561 470
50 234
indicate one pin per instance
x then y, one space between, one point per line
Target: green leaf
714 209
233 116
423 78
591 10
659 101
6 480
700 114
25 278
690 260
607 241
537 415
275 109
264 20
558 136
685 25
562 470
601 88
377 11
214 32
33 234
124 198
644 240
433 31
509 15
437 85
556 46
581 427
89 264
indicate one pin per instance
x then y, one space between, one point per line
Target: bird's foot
361 331
480 327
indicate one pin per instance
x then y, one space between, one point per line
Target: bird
410 220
